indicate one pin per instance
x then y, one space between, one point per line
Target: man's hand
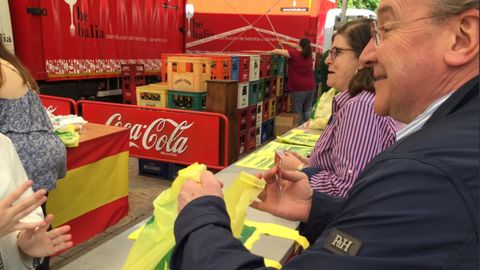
287 194
12 213
39 242
191 190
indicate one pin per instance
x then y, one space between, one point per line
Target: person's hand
303 159
288 196
191 190
39 242
290 162
12 213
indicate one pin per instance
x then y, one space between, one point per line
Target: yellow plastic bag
239 196
322 110
155 242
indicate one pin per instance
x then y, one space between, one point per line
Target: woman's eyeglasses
335 51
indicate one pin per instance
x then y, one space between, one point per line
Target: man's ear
464 47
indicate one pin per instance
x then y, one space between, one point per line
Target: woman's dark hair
357 33
304 44
21 70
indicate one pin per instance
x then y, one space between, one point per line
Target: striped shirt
354 136
421 119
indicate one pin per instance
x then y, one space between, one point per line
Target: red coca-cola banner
83 38
165 134
59 105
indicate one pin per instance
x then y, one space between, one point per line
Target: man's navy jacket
415 206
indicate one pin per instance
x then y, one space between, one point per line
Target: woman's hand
12 212
303 159
38 242
291 161
287 194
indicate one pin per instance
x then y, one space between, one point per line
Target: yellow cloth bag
322 110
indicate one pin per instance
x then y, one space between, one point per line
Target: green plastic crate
187 100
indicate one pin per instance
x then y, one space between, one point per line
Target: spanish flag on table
94 194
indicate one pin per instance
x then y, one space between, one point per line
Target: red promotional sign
58 105
84 38
164 134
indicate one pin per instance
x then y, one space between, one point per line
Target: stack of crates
133 75
187 82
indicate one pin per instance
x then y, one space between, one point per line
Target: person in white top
24 238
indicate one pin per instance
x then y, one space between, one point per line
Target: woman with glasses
300 81
355 134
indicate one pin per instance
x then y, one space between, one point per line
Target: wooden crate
153 95
222 97
188 74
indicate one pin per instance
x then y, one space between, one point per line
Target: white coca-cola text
151 135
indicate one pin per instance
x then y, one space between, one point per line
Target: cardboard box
286 121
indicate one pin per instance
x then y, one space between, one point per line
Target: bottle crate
259 112
242 119
273 108
265 65
242 142
254 69
251 139
153 95
267 130
261 90
133 75
253 92
265 110
220 67
240 68
243 89
278 65
282 103
289 102
259 135
158 169
280 86
188 73
252 116
187 100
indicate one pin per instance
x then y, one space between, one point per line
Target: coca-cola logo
153 136
51 109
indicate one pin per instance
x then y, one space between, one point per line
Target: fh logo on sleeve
342 243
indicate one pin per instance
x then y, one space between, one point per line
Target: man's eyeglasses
376 31
334 52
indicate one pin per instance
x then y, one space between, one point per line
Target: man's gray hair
452 7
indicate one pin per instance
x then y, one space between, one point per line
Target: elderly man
415 206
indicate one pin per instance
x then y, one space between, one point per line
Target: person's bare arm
281 52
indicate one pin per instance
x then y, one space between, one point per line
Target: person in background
415 205
355 133
323 72
25 121
24 238
300 82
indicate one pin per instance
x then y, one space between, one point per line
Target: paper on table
300 137
265 158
